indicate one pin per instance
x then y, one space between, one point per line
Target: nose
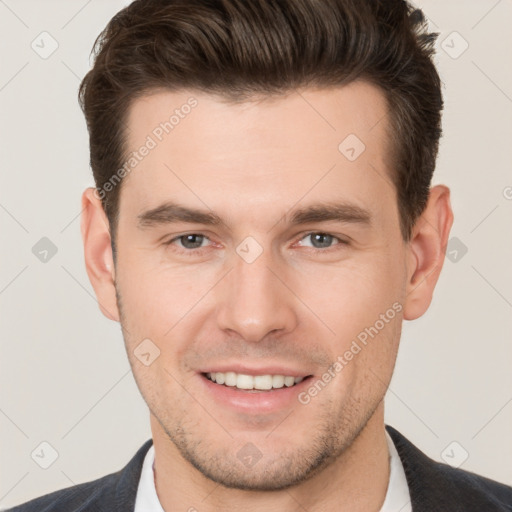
256 299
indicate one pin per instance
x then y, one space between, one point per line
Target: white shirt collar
397 496
147 498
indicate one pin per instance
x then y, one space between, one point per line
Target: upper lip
253 370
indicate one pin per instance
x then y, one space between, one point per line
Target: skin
251 164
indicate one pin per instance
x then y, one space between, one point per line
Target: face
260 247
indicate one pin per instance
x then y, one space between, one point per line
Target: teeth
244 381
277 381
263 382
289 381
230 378
260 382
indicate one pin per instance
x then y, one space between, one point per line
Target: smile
257 382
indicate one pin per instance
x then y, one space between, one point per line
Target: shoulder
112 492
434 485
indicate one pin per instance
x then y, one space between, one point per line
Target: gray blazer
434 487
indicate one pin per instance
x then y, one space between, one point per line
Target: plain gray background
64 375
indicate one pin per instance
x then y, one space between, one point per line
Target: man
262 223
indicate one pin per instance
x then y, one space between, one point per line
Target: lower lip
254 401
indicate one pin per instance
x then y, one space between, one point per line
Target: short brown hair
239 49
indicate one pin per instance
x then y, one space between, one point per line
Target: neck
355 481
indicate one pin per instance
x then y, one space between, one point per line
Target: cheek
155 296
361 302
354 294
365 350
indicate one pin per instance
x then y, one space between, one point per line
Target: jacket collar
434 486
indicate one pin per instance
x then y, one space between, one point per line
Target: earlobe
98 253
426 252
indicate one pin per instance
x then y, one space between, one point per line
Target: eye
188 242
322 241
194 243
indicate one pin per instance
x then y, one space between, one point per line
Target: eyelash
194 252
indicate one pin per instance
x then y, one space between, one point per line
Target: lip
254 402
262 370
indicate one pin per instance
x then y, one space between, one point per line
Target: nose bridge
255 302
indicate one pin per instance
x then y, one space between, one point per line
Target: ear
426 252
98 253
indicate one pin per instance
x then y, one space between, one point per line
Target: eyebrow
169 213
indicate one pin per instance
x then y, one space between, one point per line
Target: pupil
325 240
193 239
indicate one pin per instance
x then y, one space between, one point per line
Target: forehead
311 115
260 153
